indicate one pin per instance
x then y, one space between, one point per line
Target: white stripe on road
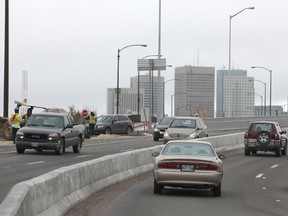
37 162
126 150
83 156
260 175
274 166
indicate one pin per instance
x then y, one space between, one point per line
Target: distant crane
25 86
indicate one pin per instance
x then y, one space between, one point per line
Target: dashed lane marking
80 156
274 166
37 162
260 175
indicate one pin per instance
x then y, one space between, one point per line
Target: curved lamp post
164 93
261 102
264 94
172 100
231 16
118 60
270 71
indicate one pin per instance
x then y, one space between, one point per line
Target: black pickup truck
50 131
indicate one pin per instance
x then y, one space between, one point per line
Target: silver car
185 128
188 164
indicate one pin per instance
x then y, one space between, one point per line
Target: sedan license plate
33 144
187 168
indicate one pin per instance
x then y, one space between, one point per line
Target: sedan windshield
184 148
183 123
45 121
104 118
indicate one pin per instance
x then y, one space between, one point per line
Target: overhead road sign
151 64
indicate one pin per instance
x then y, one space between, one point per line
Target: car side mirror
155 154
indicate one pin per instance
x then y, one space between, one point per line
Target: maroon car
265 136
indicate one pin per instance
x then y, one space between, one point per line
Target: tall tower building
194 91
235 94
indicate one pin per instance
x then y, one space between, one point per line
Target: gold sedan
188 164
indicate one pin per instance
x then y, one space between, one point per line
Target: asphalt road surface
252 186
15 168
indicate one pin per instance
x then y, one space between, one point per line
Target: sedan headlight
100 126
166 134
54 136
156 130
19 135
193 136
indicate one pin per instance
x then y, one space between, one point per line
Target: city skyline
70 50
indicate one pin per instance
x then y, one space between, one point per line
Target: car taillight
246 135
197 165
276 137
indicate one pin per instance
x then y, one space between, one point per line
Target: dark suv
265 136
113 124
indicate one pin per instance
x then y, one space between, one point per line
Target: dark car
265 136
113 124
161 127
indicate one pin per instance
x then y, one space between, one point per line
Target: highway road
252 186
15 168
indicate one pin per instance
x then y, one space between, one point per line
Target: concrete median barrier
56 192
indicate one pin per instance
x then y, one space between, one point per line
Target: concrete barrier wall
56 192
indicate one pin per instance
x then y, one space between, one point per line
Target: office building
194 91
127 100
235 94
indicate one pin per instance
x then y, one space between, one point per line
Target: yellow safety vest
15 120
92 119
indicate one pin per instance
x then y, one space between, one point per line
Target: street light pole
270 71
6 62
164 94
261 102
264 95
172 100
118 60
231 16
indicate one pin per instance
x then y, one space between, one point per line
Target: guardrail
56 192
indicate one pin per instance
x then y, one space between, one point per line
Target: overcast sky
69 47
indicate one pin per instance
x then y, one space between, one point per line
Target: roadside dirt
100 202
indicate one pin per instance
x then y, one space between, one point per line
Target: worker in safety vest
26 116
15 121
91 121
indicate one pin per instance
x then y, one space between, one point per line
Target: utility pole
6 61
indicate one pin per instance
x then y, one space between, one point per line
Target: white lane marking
37 162
8 152
83 156
125 150
274 166
278 200
264 188
260 175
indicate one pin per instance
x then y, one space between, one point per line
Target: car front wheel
108 130
61 150
129 130
77 147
